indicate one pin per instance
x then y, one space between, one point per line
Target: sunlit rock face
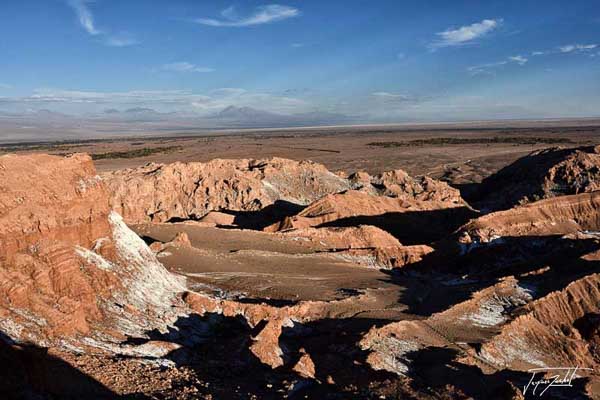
72 273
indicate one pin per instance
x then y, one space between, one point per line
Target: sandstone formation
553 216
278 278
542 174
70 266
159 193
546 333
362 241
415 221
399 184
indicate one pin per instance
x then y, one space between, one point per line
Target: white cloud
86 19
518 59
490 68
297 45
5 86
466 34
577 47
261 15
184 67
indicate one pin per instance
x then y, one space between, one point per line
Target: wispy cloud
5 86
489 69
566 49
261 15
466 34
184 66
297 45
519 59
86 20
570 48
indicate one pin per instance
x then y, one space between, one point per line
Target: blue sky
379 60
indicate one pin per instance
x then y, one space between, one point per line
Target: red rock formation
158 193
345 238
45 197
554 216
542 174
544 334
362 242
66 260
411 221
350 204
398 183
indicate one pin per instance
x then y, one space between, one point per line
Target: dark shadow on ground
437 368
258 220
217 350
445 277
332 346
521 179
413 227
29 372
269 302
255 220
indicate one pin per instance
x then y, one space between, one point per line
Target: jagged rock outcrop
346 238
391 346
413 221
69 267
400 184
545 333
362 242
158 193
554 216
542 174
353 204
51 198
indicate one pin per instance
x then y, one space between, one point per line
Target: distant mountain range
231 116
34 124
251 117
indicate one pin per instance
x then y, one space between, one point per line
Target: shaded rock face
409 220
542 174
554 216
69 266
546 334
159 193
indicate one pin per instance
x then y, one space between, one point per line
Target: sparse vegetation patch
146 151
482 140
